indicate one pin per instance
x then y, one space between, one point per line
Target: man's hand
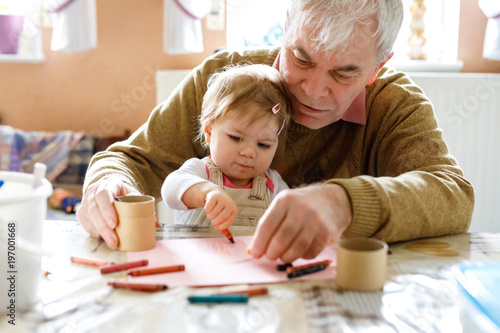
221 209
301 222
97 213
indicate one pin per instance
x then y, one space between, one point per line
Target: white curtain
491 48
182 25
75 25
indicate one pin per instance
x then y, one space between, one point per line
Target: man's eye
264 146
234 138
344 78
302 61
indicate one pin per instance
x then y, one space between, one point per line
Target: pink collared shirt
227 182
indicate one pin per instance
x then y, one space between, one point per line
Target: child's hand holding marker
219 207
221 210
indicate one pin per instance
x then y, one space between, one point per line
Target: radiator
468 110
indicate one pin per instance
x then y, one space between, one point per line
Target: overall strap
259 187
215 175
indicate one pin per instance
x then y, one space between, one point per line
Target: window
255 23
259 23
20 35
441 21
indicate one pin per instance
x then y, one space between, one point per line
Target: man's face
323 85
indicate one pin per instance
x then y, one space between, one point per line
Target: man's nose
315 86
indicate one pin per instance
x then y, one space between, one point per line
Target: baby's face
243 151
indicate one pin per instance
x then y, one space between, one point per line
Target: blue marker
235 298
1 182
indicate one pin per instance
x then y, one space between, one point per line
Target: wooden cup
136 228
361 264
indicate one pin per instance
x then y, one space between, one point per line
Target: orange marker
295 268
90 262
157 270
228 235
124 266
249 292
138 286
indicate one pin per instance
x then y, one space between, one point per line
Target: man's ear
379 67
207 132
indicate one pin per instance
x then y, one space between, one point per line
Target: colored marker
2 182
90 262
124 266
308 270
283 267
249 292
138 286
157 270
228 235
291 269
237 298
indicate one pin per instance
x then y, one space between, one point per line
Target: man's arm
409 186
412 187
141 163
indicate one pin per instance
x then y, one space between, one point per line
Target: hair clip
277 109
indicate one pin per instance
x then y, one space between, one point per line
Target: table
419 295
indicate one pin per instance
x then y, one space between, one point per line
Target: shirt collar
227 183
356 112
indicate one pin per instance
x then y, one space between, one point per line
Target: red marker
228 235
249 292
124 266
138 286
157 270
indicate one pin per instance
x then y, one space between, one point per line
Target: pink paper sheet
215 261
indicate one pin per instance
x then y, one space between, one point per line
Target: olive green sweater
400 177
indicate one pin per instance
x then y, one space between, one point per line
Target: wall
103 91
470 43
110 89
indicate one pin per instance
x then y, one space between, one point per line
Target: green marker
240 298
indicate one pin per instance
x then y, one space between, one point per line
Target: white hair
334 22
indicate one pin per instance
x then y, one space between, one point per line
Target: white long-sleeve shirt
194 171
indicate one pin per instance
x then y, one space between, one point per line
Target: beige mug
361 264
136 228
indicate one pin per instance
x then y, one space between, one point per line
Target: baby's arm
192 172
220 208
188 188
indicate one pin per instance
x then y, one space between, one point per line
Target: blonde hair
238 85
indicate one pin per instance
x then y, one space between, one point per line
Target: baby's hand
221 209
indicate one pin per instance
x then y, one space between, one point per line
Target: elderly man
364 139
